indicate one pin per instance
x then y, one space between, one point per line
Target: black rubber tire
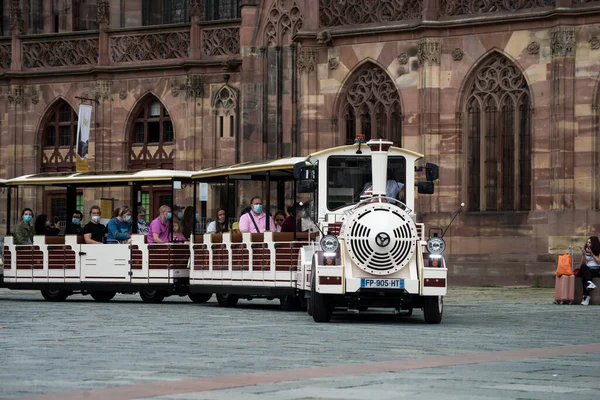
55 295
227 300
152 296
102 296
433 309
200 297
290 302
363 308
309 306
321 308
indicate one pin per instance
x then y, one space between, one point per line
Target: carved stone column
103 25
429 56
16 29
106 145
562 126
431 10
196 8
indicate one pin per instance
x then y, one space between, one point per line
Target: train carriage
60 266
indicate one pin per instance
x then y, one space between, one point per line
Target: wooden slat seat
54 239
198 239
216 237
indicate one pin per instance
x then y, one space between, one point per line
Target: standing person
119 227
75 227
256 219
590 267
279 219
93 232
159 227
218 225
24 231
142 226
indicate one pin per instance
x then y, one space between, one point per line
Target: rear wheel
200 297
55 295
227 300
152 296
290 302
103 296
433 308
321 307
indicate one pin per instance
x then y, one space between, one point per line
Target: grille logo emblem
382 239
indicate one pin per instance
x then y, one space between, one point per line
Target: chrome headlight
436 245
329 243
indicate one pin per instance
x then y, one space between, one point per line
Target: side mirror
425 187
432 172
302 171
306 187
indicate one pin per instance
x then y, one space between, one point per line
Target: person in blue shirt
119 228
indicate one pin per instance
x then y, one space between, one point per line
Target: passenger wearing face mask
119 227
218 225
142 226
24 231
159 228
256 219
75 227
93 232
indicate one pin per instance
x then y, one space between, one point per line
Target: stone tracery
350 12
498 138
465 7
371 106
283 21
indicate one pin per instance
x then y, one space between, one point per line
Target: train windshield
348 177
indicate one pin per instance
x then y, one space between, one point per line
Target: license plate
368 283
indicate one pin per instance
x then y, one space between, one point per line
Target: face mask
197 217
127 218
304 214
180 215
169 216
257 208
141 221
27 218
221 221
47 223
95 218
75 221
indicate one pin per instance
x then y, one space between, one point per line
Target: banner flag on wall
83 137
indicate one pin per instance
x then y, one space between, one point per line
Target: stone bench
594 294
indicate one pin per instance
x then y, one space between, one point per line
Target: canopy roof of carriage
255 170
102 178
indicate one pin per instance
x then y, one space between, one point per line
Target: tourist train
362 249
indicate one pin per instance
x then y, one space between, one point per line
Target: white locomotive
372 253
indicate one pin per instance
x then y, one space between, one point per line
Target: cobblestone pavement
494 343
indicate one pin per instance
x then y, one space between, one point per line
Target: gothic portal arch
497 137
369 105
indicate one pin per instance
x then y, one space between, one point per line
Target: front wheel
55 295
200 297
152 296
227 300
433 308
102 296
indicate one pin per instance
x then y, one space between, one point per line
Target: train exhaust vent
381 238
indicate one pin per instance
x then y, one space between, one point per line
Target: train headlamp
329 243
436 245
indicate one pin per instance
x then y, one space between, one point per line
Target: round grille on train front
381 238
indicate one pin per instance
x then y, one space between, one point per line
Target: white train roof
98 178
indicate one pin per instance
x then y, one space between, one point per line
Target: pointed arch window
151 137
59 132
225 109
371 106
498 124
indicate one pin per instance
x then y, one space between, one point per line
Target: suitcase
564 289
